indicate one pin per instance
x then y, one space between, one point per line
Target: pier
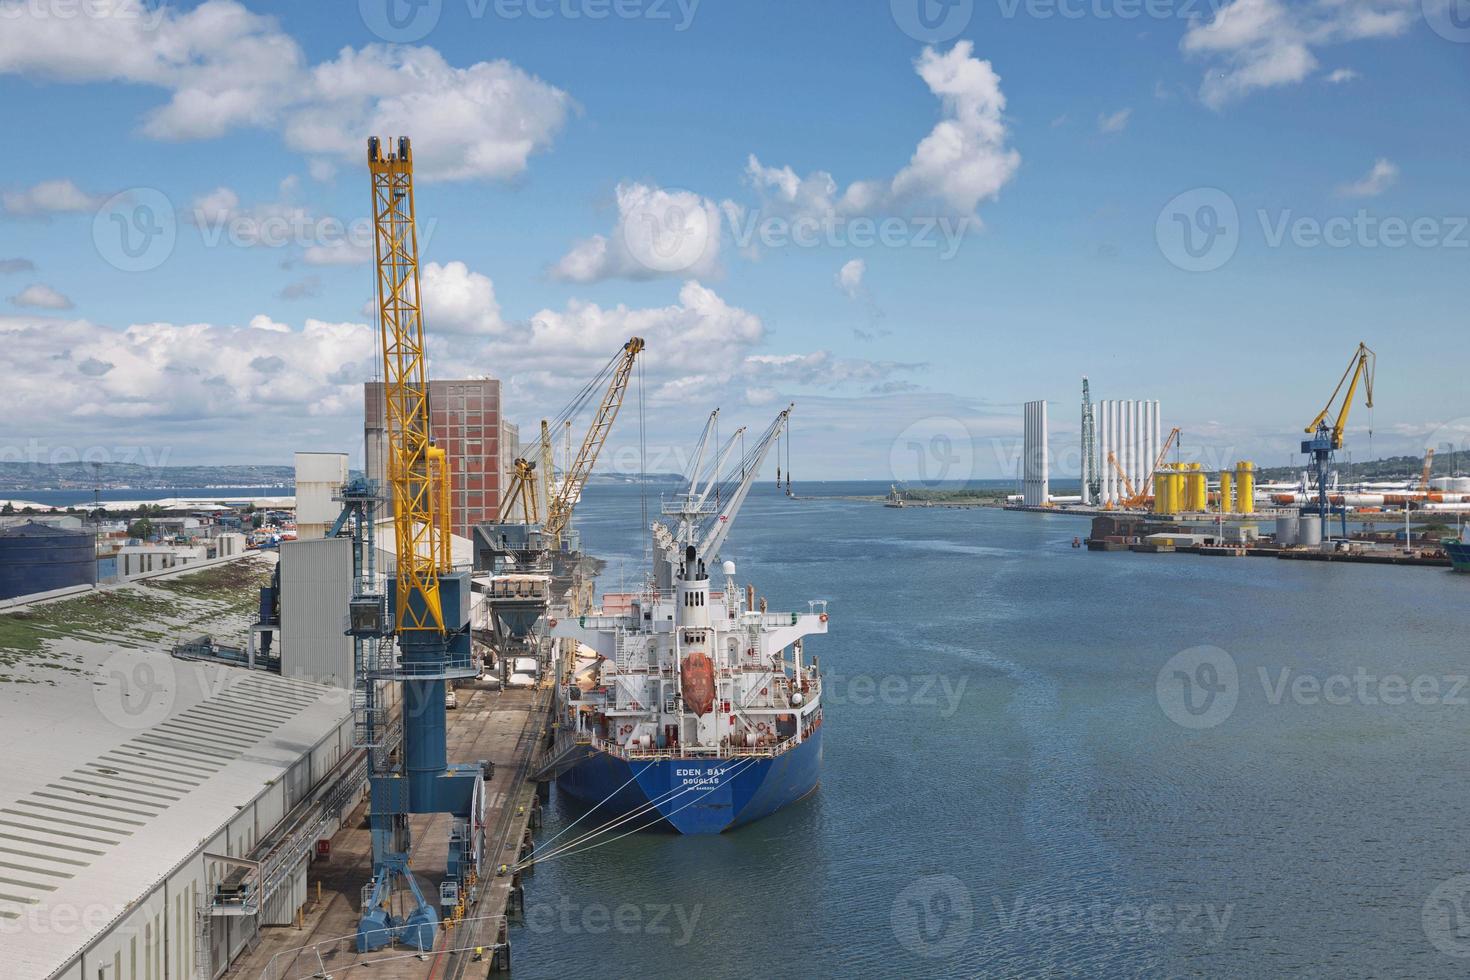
504 726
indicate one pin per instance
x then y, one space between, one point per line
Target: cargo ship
1459 551
688 705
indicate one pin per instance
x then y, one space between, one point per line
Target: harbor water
1045 761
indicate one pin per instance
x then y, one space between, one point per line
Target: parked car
451 699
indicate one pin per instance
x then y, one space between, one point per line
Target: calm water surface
1006 788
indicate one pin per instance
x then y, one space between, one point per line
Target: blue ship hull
726 793
1459 552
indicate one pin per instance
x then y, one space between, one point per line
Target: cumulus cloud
1259 44
963 161
1340 75
75 371
849 278
458 301
1383 175
658 232
223 67
41 297
49 197
1114 122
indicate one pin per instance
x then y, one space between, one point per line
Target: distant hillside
1392 468
112 476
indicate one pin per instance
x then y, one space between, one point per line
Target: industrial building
1035 478
164 809
1129 438
319 478
465 421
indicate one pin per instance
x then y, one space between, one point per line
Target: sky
907 217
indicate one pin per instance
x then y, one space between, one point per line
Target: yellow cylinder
1225 486
1245 487
1161 492
1198 501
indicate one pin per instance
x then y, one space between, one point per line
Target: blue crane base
378 927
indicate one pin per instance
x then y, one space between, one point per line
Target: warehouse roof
124 761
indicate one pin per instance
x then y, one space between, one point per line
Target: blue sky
1073 150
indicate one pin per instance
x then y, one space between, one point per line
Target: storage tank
1161 492
1245 487
1225 488
38 558
1198 492
1288 531
1311 536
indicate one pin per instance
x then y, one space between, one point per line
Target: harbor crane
563 500
1328 427
700 524
429 609
1138 498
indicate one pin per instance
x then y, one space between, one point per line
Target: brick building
465 420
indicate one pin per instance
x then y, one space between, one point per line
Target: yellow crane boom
1360 369
559 507
418 530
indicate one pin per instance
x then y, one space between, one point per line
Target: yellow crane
1428 470
419 515
1137 498
1327 428
563 499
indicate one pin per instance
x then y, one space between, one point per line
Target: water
1004 792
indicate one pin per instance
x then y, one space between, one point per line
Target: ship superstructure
689 701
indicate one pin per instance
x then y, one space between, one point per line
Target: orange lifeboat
697 675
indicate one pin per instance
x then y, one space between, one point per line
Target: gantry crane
430 620
1327 428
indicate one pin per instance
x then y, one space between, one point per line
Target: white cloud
41 297
849 278
658 233
224 67
1383 175
458 301
94 377
1259 44
963 161
1114 122
48 197
1340 75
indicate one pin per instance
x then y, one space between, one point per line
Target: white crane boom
757 457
